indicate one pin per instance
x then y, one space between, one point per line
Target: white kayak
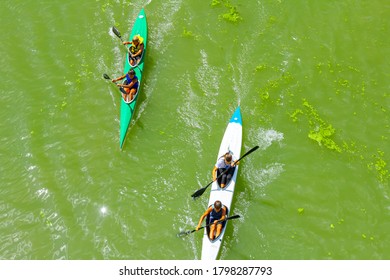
231 141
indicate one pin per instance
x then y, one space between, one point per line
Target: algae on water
379 165
321 132
231 15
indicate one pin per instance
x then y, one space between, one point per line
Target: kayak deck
127 109
231 141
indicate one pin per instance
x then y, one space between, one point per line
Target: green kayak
127 108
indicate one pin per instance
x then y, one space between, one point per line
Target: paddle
118 34
191 231
202 190
105 76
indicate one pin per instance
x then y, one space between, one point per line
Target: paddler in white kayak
217 213
224 166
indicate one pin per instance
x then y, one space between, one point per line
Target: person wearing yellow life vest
136 49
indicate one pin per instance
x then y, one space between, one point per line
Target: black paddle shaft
202 190
191 231
121 89
118 34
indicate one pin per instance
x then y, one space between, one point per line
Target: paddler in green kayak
130 85
136 49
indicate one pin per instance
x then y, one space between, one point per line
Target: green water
311 78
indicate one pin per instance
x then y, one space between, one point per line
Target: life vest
129 80
133 48
214 215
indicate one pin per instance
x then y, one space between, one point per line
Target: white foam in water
188 221
266 175
259 173
265 137
208 75
43 193
168 9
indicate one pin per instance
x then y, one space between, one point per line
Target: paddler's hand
197 228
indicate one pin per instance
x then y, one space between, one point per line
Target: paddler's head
228 158
135 40
217 205
131 72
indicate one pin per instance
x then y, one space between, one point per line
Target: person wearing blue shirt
129 87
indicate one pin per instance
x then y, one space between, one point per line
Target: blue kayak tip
236 118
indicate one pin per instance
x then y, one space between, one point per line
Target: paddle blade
105 76
199 192
185 233
116 32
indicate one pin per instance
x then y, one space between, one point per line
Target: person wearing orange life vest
217 213
136 49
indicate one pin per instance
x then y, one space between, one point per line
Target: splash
265 137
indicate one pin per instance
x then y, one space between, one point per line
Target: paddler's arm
117 79
223 214
203 216
214 173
